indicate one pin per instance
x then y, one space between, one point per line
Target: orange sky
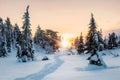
64 16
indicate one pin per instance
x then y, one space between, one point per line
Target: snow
49 68
77 68
10 69
60 66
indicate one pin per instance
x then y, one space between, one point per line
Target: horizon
67 17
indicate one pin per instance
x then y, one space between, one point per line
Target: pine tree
16 35
93 43
112 42
101 43
26 25
3 50
26 40
52 39
105 43
39 36
119 41
90 37
80 47
8 34
114 39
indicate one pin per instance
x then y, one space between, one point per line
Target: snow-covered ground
10 69
61 66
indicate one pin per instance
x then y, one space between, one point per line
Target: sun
65 44
66 41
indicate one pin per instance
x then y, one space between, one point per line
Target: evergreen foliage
47 39
80 47
3 49
90 44
8 33
112 42
25 44
94 43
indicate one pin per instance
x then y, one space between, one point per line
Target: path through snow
49 68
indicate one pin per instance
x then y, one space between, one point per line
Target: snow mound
91 67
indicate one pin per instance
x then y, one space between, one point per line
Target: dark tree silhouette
80 47
8 33
91 33
26 40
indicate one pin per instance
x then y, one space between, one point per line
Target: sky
64 16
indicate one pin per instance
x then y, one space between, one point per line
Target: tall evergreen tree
101 43
112 42
8 33
93 43
80 47
91 33
105 43
52 39
3 49
39 36
26 40
16 34
26 25
47 40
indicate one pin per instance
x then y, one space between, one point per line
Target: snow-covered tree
119 41
91 33
105 43
95 57
112 42
3 49
8 33
47 39
98 34
80 47
94 40
39 37
26 40
100 41
16 35
53 39
26 25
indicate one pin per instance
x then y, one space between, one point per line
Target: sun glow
65 44
67 40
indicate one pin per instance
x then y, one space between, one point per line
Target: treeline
47 39
11 37
94 43
94 39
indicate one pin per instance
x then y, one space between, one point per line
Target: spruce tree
3 49
105 43
93 43
26 40
16 35
112 42
40 37
53 39
101 43
91 33
80 47
26 25
8 34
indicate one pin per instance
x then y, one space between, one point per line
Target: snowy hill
60 66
